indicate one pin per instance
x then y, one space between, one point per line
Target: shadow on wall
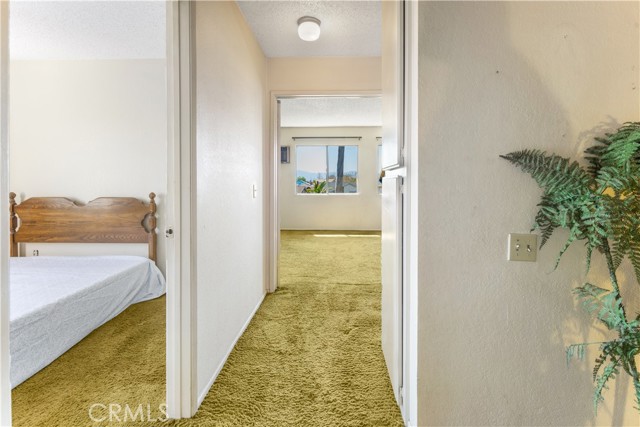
497 331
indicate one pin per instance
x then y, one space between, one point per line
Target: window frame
327 145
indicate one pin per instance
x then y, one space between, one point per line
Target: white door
392 308
392 200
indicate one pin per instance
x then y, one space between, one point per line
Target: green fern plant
599 205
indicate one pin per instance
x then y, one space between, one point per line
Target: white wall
359 211
231 141
311 74
494 78
89 128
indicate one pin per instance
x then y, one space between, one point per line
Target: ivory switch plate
523 247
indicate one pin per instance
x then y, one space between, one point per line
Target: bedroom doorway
326 165
88 120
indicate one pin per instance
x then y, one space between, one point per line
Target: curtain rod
325 137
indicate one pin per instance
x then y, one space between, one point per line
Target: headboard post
153 238
13 225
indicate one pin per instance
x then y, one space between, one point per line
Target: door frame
273 240
181 392
5 386
181 350
411 215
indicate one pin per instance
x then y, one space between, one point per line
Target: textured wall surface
87 129
73 30
231 96
331 111
332 212
325 74
494 78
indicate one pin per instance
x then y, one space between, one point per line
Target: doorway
330 163
325 156
327 164
84 120
329 202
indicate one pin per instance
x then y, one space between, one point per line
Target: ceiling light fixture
309 28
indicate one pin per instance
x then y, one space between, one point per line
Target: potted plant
599 205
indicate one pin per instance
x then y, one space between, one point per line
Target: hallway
311 356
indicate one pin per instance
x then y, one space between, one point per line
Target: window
326 169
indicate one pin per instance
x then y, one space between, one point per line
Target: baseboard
226 356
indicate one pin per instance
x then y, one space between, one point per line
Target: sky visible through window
320 163
312 161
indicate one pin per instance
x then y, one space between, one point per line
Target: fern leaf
601 154
608 373
608 350
551 172
575 350
620 152
594 154
602 303
600 360
589 255
634 255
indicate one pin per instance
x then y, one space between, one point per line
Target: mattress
57 301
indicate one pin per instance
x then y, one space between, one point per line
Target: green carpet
122 362
310 357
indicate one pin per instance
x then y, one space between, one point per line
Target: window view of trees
326 169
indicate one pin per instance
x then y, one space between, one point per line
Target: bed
58 300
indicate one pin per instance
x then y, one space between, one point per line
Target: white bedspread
57 301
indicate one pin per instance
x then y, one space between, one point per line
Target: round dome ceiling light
309 28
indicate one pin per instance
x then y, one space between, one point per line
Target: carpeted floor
122 362
310 357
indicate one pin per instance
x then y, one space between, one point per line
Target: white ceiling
348 28
72 30
86 29
330 111
136 29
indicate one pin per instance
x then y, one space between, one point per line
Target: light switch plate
523 247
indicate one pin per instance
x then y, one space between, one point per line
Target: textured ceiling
87 29
330 111
349 28
136 29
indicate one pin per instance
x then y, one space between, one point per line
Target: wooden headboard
103 220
